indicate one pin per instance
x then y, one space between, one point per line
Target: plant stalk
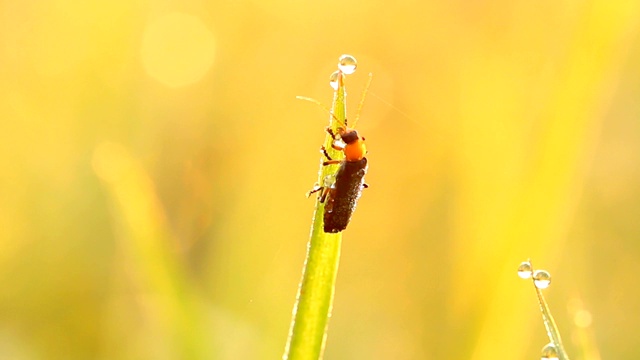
314 301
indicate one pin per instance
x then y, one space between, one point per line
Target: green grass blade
550 324
312 310
555 347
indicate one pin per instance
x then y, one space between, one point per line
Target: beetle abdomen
344 195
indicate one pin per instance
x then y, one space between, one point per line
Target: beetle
340 194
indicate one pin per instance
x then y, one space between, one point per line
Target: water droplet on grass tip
524 270
347 64
333 79
549 352
542 279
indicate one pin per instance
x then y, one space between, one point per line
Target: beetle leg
331 162
336 139
326 154
325 193
315 189
328 129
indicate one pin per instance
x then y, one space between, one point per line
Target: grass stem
314 301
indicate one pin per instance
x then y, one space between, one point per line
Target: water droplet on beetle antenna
541 279
347 64
524 270
333 79
549 352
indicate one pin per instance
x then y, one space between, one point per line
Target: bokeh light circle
177 49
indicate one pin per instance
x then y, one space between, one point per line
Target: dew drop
347 64
524 270
329 181
549 352
333 79
542 279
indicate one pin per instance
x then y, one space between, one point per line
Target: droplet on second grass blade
549 352
542 279
524 270
333 79
347 64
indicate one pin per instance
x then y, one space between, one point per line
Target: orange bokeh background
154 161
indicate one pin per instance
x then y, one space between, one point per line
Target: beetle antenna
397 109
322 106
364 95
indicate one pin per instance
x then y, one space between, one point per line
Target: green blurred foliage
153 169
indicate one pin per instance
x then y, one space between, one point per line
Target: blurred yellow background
154 160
